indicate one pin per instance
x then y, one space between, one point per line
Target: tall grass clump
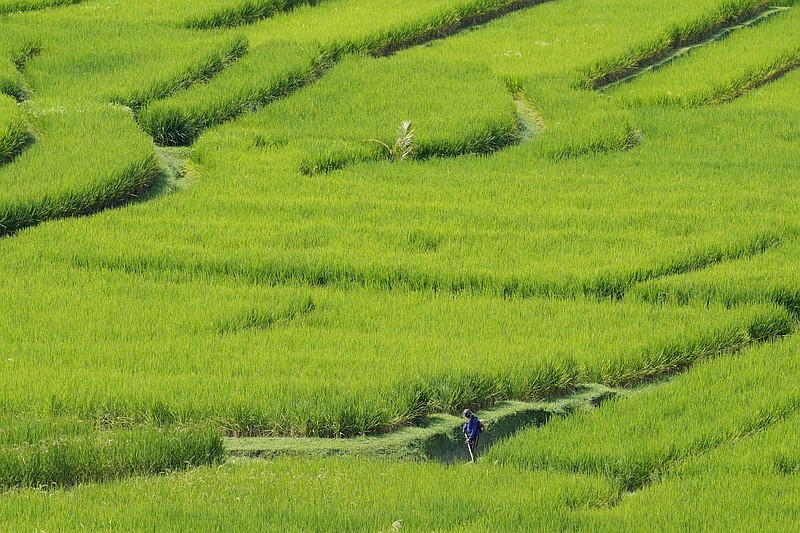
11 81
15 132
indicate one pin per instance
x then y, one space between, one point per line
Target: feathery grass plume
403 147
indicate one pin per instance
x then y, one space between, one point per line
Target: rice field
268 227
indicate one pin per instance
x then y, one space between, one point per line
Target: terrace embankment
437 438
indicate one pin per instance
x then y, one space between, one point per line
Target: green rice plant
15 133
11 81
51 180
171 124
723 70
244 12
636 440
122 50
258 360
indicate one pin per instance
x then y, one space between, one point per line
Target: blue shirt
472 427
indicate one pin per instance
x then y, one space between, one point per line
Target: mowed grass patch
636 440
265 361
85 160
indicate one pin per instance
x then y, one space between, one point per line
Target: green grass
759 470
300 361
96 456
303 495
15 132
723 70
113 164
772 277
11 6
283 277
243 12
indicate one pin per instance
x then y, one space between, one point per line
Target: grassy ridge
677 36
636 440
51 180
760 470
244 12
772 277
11 6
265 74
15 132
11 81
201 71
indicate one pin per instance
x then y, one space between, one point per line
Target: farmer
472 432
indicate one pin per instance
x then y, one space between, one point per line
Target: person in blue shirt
472 433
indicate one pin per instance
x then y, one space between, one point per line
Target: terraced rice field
258 255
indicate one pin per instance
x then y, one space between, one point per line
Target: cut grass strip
723 70
438 437
680 52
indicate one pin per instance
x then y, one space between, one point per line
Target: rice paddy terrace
257 254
